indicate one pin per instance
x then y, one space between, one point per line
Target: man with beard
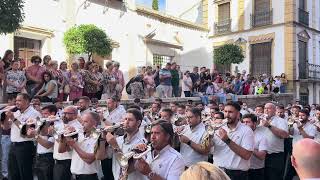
124 144
84 103
21 153
300 130
233 144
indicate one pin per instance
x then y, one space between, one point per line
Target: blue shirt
166 81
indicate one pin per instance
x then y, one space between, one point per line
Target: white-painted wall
124 26
190 10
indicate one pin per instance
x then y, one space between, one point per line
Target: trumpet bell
123 159
140 155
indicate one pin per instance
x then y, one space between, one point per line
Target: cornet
123 158
98 131
212 127
36 124
73 133
180 130
292 120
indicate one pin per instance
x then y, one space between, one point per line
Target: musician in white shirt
84 103
256 171
44 161
83 163
62 165
233 144
192 148
276 132
300 130
163 163
20 160
125 144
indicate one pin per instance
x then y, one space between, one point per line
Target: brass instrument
292 120
180 130
211 129
72 133
206 116
98 131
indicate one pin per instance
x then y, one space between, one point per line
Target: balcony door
303 60
262 14
261 58
25 48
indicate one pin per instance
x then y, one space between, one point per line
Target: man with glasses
233 144
163 162
62 165
34 75
193 147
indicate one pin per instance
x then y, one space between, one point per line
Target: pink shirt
35 71
119 76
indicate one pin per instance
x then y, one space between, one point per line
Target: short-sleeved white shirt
116 115
168 164
79 166
260 144
30 112
309 128
224 157
275 143
59 125
43 150
127 145
196 135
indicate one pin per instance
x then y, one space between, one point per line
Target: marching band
82 142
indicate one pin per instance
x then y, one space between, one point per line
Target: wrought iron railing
222 26
309 71
261 18
303 17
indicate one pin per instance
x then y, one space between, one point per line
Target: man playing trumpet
124 144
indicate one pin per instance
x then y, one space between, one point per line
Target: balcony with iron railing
261 18
222 26
311 71
303 17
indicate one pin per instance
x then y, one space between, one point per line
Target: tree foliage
11 15
87 39
228 54
155 5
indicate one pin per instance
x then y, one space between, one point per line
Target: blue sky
149 3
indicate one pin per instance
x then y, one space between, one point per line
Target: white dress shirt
224 157
43 150
126 145
196 135
260 144
309 128
30 112
275 143
116 115
60 126
78 165
168 164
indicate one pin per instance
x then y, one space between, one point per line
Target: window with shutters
260 59
25 48
303 13
262 14
303 74
161 60
224 21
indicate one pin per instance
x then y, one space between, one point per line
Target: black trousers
256 174
44 166
61 170
237 174
107 169
274 166
87 177
20 161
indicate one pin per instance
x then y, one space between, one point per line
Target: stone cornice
169 19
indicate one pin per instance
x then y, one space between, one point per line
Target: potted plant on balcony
228 54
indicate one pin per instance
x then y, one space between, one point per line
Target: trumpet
72 132
98 131
292 120
206 116
212 127
180 130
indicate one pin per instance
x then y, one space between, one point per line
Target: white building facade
276 36
141 36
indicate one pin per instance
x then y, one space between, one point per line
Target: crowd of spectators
56 82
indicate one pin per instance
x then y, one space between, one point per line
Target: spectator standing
149 82
119 76
187 84
75 82
164 90
284 82
46 62
5 144
110 81
137 88
5 66
15 80
174 80
93 81
65 87
81 63
195 74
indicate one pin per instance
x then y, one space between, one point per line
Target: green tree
155 5
87 39
11 15
228 54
